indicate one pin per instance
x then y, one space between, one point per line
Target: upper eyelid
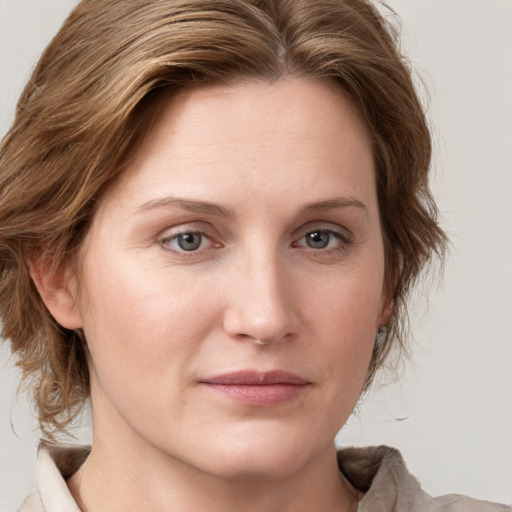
322 225
172 232
210 232
194 226
166 235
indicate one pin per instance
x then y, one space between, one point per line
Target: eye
188 241
319 239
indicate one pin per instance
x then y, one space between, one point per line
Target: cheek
347 300
143 321
343 316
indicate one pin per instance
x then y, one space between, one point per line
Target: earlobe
58 290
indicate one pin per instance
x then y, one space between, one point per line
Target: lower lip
260 395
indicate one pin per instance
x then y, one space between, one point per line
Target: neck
125 472
118 478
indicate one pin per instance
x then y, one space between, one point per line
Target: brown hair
85 106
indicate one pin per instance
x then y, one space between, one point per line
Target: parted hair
85 106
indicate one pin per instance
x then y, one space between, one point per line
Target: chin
258 467
260 457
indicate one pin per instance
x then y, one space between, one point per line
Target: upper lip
256 378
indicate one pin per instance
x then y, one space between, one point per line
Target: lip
257 388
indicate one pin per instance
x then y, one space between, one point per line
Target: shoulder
380 472
54 465
32 503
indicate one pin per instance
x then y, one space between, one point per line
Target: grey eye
318 239
189 241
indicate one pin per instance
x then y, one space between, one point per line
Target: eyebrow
331 204
190 205
205 207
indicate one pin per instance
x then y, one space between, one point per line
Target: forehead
250 134
258 104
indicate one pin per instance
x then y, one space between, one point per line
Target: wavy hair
86 104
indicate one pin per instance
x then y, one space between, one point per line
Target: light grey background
451 411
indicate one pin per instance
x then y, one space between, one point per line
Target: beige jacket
378 471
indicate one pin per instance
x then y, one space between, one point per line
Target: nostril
241 326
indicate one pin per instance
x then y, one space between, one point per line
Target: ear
385 315
58 290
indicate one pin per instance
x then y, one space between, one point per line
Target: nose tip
256 329
261 310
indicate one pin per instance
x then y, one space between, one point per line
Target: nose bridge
261 308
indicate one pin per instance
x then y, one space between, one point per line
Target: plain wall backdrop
450 412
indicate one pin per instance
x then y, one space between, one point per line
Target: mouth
258 389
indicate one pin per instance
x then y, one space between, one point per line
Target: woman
211 216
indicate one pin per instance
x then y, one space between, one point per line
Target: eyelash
167 241
345 241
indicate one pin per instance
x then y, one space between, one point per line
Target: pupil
189 241
318 240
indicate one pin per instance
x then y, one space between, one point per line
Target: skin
280 162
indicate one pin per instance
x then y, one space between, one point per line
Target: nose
260 309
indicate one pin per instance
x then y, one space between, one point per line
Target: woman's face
231 282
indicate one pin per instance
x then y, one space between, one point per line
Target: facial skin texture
279 162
